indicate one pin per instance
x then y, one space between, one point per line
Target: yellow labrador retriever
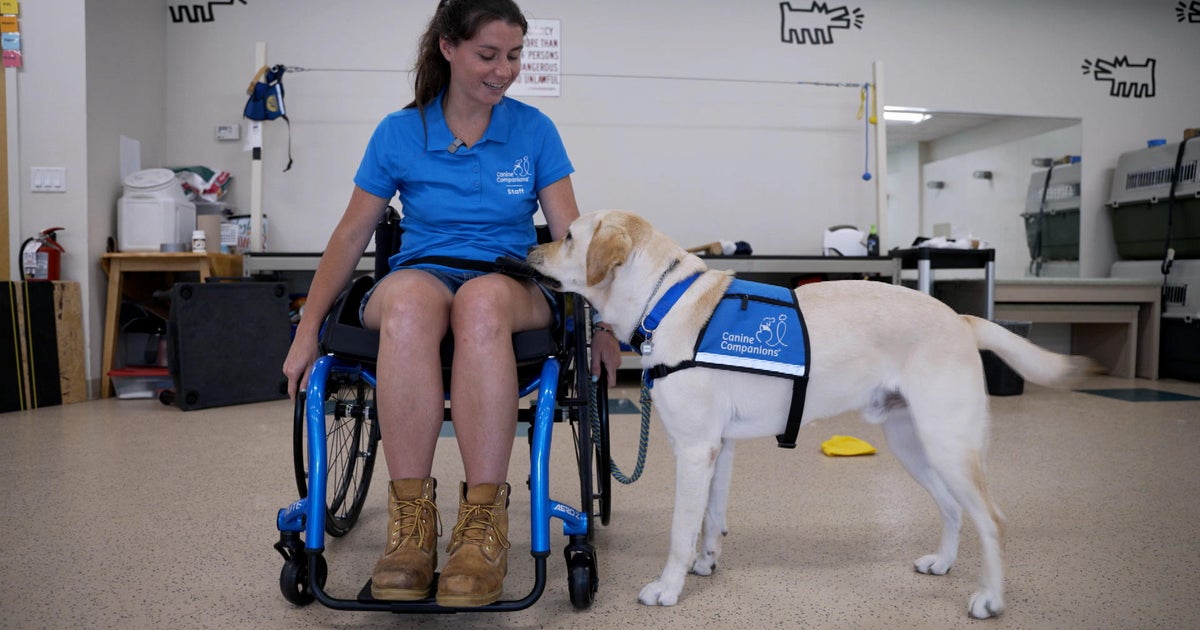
901 357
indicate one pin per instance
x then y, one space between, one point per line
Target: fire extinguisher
41 255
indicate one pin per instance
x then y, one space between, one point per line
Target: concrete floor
129 514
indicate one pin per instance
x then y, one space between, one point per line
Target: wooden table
1096 302
118 264
782 269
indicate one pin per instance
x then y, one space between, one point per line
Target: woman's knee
408 305
487 307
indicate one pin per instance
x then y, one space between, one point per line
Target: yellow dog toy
845 446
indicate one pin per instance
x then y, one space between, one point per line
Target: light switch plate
48 179
229 131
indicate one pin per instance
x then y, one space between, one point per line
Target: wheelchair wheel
351 438
602 457
293 579
582 580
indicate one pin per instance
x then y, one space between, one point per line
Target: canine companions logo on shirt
519 177
755 327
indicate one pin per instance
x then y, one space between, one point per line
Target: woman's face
482 68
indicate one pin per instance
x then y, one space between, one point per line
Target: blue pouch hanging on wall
266 94
266 100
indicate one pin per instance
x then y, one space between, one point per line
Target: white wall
126 65
770 164
990 209
52 117
47 102
906 193
766 163
752 161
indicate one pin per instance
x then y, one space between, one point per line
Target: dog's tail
1031 362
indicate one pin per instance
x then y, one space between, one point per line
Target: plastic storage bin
140 382
1001 379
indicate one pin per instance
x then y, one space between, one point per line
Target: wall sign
10 33
541 61
1188 12
1125 79
195 12
816 23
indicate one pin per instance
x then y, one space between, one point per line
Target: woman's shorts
454 279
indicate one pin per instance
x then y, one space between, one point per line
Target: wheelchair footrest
430 605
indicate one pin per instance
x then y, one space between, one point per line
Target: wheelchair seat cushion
343 335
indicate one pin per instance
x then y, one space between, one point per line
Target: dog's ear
610 246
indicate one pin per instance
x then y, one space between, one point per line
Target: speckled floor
128 514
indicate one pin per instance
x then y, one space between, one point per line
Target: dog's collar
641 336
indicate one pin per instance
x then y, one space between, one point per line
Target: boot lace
406 519
475 524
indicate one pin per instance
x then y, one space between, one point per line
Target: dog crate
1179 329
1141 190
1052 229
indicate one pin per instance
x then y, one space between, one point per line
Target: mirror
960 174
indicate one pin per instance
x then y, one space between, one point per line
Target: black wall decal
196 13
1125 79
1188 12
815 24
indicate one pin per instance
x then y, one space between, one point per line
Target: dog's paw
705 564
659 593
933 564
984 604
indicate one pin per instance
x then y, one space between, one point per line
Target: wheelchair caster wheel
293 579
582 581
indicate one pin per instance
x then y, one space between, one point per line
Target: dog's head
598 247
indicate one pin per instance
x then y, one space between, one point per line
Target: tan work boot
474 575
405 572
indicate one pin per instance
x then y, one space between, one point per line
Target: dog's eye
568 236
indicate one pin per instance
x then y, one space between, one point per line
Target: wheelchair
336 436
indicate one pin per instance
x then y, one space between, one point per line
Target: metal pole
256 184
881 166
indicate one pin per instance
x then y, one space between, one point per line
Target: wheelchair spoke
351 438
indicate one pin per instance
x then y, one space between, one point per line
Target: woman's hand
300 359
606 352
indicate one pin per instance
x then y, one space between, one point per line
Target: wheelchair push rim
352 440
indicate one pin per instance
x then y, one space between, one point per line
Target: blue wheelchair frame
303 524
307 515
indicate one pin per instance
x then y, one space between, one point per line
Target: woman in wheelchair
471 168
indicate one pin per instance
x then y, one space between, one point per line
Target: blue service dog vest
755 328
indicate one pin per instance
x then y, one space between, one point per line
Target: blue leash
643 440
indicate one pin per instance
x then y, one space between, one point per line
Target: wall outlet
229 131
48 179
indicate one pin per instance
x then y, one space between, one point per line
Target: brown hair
457 21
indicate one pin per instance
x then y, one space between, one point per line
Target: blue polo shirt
476 202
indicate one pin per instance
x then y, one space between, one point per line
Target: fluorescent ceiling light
904 116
